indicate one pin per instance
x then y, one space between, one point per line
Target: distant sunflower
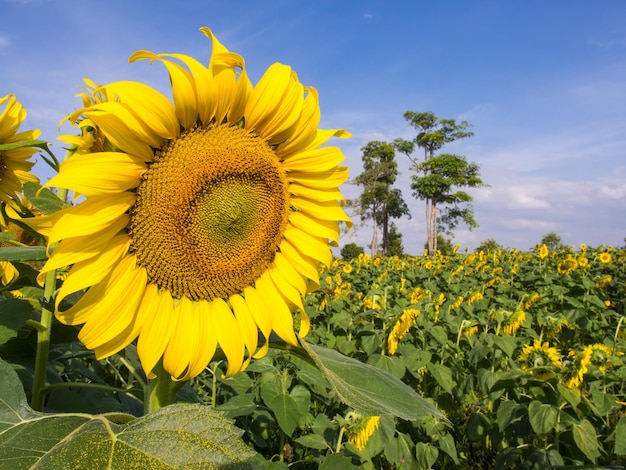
539 356
543 251
14 163
568 265
605 258
205 219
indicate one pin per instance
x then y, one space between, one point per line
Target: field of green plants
523 353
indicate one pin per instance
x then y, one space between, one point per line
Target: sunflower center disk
210 213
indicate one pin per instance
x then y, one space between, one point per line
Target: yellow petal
207 340
275 104
183 341
321 159
306 129
261 317
97 174
88 273
314 247
282 319
321 228
327 210
153 107
158 329
247 325
91 217
320 179
303 264
126 292
73 250
228 335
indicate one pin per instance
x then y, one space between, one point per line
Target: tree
439 187
351 251
444 245
552 241
395 248
441 174
489 246
379 202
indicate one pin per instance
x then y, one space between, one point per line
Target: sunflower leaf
23 253
369 390
46 201
176 436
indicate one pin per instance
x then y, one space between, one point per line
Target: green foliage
490 245
395 248
173 437
379 201
350 251
553 241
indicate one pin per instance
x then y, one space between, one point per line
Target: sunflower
14 162
205 219
605 258
363 430
539 356
543 251
567 265
401 328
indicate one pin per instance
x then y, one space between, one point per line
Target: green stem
43 344
161 390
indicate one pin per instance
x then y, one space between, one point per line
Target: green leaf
391 364
6 236
289 409
13 315
313 441
426 455
443 376
46 201
24 143
543 417
337 462
23 253
477 427
446 443
620 436
604 402
175 436
400 451
239 405
569 395
369 390
506 343
585 438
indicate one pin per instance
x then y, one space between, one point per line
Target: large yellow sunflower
14 163
204 220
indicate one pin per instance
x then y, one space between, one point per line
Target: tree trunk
385 235
374 238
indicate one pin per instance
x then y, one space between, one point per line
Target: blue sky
542 83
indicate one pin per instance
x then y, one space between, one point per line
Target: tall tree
379 201
440 177
396 248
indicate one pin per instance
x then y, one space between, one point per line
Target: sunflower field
523 352
169 299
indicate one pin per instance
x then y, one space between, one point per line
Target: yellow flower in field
455 248
538 356
555 325
363 431
605 258
567 265
402 284
14 163
347 268
599 355
8 273
417 295
470 330
371 303
543 251
603 281
583 261
531 300
583 246
607 303
475 297
457 303
513 321
400 329
578 367
209 220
